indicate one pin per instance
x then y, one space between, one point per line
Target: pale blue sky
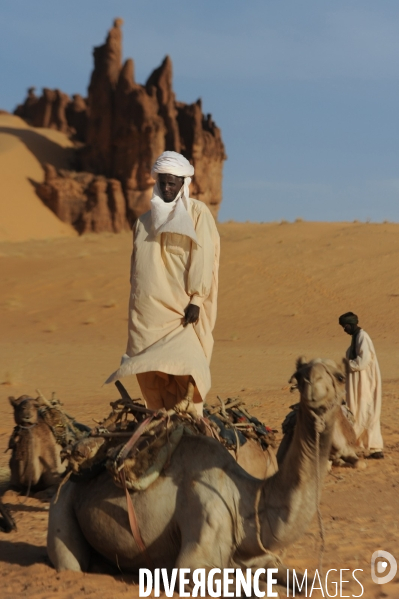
306 93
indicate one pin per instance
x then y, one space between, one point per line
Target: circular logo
380 560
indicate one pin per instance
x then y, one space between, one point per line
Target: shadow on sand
23 554
21 507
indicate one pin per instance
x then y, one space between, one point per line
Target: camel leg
267 560
14 480
7 523
66 546
205 543
345 457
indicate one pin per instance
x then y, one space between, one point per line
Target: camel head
321 384
25 410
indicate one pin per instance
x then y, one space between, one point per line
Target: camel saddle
135 444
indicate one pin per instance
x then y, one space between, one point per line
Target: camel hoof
360 465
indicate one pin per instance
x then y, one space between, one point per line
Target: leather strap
134 438
134 526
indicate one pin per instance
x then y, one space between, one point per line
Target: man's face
170 186
348 328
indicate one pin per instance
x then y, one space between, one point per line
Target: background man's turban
172 163
348 318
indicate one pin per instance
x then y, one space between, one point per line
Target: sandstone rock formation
90 203
201 142
55 110
123 127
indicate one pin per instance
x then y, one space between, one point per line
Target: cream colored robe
364 393
169 271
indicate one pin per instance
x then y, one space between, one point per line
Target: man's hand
191 314
347 365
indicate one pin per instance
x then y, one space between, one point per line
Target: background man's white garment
168 272
364 393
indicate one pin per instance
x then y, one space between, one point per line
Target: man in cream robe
363 387
174 281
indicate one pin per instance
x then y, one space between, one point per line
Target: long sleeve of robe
169 271
364 393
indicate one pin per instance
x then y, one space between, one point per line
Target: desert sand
23 149
282 288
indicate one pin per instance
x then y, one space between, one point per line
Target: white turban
172 217
172 163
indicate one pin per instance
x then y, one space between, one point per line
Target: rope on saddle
319 427
277 560
257 520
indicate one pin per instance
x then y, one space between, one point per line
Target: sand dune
22 151
282 288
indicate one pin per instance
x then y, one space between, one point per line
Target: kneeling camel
205 511
35 461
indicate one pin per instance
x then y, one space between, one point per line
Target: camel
35 461
343 448
204 510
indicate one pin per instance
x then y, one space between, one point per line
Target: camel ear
301 361
12 400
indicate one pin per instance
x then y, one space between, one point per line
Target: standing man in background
174 282
363 387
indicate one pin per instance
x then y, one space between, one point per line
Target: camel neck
289 499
